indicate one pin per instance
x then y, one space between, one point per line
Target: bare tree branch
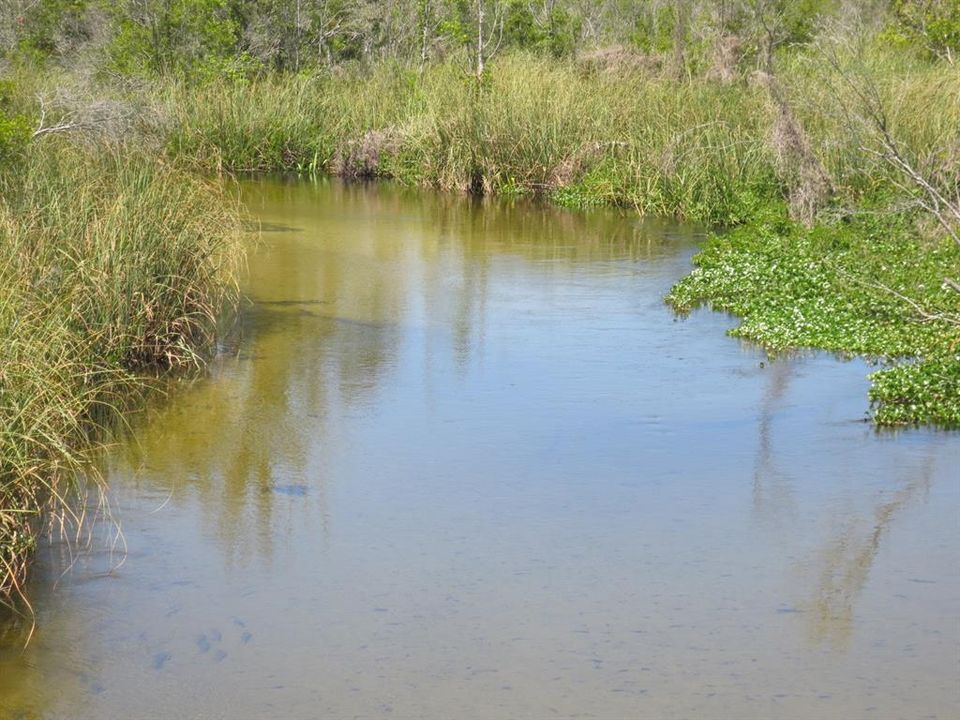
936 201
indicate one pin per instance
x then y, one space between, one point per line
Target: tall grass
535 126
110 262
697 149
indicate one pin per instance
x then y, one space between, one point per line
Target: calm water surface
466 464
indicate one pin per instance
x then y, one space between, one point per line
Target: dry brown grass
362 159
807 183
618 60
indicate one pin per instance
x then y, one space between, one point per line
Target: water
466 464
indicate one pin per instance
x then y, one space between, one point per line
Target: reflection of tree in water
772 497
847 558
261 422
333 303
467 238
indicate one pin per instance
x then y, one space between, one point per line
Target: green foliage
15 133
799 18
52 26
520 28
841 288
15 129
556 34
563 30
207 38
654 29
934 25
189 38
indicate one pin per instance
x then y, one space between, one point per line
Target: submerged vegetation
821 138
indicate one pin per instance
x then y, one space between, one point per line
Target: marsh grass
111 263
700 149
665 148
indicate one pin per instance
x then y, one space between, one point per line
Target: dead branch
945 209
924 314
82 114
64 125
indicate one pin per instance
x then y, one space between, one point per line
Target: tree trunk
479 40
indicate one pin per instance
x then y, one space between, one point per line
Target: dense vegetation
111 262
821 138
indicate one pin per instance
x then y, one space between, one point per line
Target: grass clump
111 262
535 126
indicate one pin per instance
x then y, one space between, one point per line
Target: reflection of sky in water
467 464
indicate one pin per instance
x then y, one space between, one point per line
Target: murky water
466 464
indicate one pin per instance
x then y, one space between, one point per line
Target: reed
111 263
697 149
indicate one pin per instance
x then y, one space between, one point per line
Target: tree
935 24
173 36
478 25
781 22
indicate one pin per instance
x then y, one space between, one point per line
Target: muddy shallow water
465 464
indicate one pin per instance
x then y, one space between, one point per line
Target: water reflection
772 496
848 556
464 457
322 328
